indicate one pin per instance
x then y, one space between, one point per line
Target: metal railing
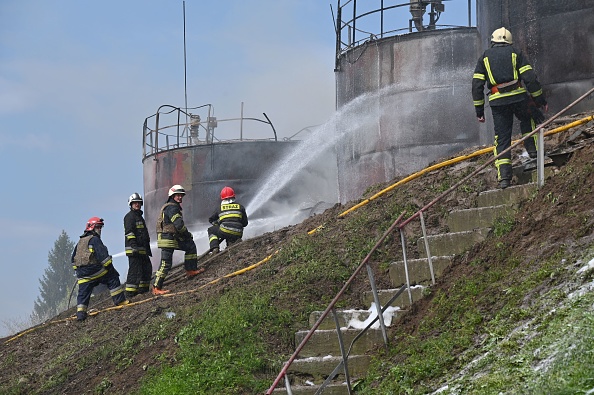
173 127
348 31
400 225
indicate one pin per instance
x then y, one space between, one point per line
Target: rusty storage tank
418 83
180 147
557 36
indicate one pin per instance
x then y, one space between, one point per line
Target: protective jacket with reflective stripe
137 239
170 226
231 218
499 67
90 258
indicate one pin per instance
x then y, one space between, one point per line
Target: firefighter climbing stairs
321 354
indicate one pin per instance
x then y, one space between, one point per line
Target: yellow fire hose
444 164
344 213
93 313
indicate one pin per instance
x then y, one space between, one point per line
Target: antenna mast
185 67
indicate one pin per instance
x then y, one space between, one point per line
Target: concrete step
333 389
526 174
325 342
451 243
418 270
352 319
317 369
402 301
513 194
475 218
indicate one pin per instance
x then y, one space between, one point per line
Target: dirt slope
47 357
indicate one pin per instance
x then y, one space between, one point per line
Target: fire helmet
227 193
135 197
176 189
502 35
93 222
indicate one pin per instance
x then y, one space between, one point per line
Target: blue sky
78 78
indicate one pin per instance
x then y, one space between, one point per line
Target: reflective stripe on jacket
508 76
231 217
170 226
137 239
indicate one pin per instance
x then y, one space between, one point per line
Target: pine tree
56 283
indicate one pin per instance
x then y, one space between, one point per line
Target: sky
78 79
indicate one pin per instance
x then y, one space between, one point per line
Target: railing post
540 159
429 259
403 241
378 306
343 353
156 146
288 385
354 21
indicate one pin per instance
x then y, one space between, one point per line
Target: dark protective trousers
111 279
140 271
216 237
503 119
190 260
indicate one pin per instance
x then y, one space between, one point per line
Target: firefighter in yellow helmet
172 234
513 91
227 222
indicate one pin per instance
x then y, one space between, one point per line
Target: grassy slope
512 323
506 318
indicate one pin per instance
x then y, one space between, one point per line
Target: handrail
444 164
345 44
186 134
332 303
397 224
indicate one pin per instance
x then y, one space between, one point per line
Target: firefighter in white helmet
137 244
513 91
172 234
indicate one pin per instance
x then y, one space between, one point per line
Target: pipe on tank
417 10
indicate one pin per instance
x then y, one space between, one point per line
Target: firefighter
138 250
172 234
93 266
514 90
227 222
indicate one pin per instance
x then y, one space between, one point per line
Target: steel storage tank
419 86
557 36
188 153
203 170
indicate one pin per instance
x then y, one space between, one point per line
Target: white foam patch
356 323
587 267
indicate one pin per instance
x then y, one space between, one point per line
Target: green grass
542 347
222 351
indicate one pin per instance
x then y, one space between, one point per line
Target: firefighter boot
505 176
192 273
159 291
530 146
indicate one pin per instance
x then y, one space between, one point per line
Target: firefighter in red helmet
94 266
227 222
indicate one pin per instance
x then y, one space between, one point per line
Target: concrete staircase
321 353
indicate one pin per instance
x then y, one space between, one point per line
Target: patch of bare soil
561 213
